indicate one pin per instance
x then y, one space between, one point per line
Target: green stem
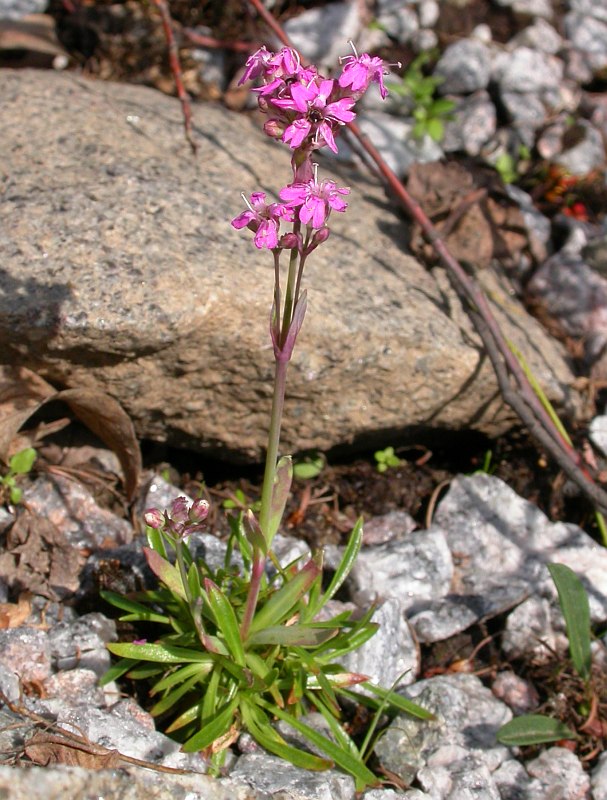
278 399
290 298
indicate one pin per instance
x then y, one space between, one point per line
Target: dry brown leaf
38 557
110 422
22 393
12 615
45 749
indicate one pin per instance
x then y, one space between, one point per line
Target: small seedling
386 458
429 112
20 464
531 729
309 466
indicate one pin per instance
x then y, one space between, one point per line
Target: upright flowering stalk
305 110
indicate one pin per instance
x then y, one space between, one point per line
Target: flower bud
291 241
274 128
320 236
199 511
154 518
179 509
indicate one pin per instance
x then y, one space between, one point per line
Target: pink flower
314 200
257 64
263 219
360 71
318 117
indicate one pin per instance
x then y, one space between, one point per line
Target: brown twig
184 98
514 385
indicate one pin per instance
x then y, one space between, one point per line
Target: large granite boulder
120 270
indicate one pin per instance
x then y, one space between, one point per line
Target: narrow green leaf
280 494
342 757
397 701
533 729
253 532
161 653
267 737
211 699
138 610
576 611
188 716
282 602
302 635
335 725
156 541
194 582
177 676
226 621
166 572
170 698
343 570
212 729
145 670
117 670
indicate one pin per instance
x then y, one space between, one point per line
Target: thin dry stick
184 98
520 397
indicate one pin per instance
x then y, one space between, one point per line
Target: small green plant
429 112
386 458
20 464
240 646
309 466
213 675
537 729
509 167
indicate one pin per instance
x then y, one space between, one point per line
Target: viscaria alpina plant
253 642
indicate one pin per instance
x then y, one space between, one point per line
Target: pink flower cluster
181 520
305 111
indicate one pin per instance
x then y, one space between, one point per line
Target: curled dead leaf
22 393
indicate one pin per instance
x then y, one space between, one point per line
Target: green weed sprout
429 112
386 458
531 729
20 464
239 647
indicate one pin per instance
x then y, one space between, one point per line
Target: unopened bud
179 509
320 236
199 511
274 128
291 241
154 518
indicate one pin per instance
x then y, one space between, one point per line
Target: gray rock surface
76 783
473 123
599 779
273 777
460 741
121 271
465 66
560 773
15 9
